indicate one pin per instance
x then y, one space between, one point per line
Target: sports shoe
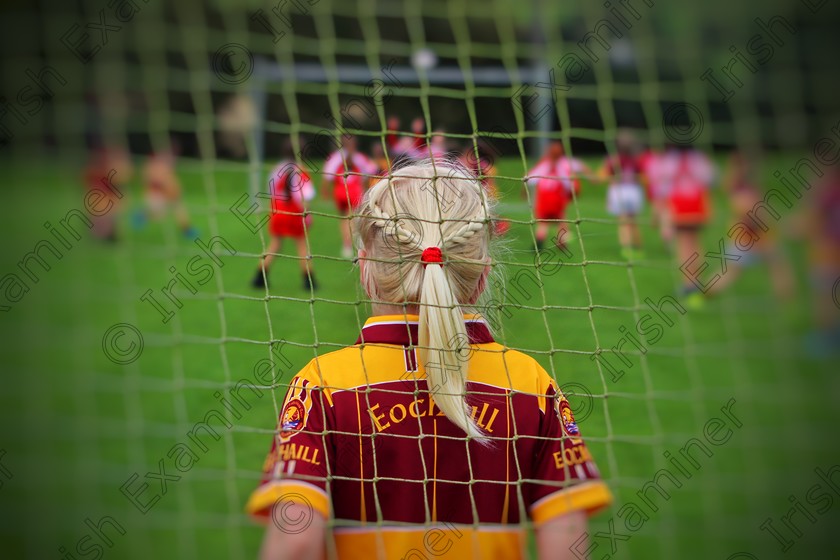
259 280
191 233
139 219
692 297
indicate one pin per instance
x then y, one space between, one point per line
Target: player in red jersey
391 137
426 425
823 233
625 196
647 162
690 210
107 171
347 171
290 189
750 243
413 146
163 191
662 170
437 145
556 179
483 168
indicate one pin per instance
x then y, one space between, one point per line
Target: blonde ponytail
401 218
441 333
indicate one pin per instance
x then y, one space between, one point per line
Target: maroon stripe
479 333
406 334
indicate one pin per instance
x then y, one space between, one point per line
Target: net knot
431 255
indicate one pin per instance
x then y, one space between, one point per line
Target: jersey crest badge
293 418
566 418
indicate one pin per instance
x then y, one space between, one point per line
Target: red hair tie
431 255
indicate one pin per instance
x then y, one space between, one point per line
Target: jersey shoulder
498 365
490 364
332 163
351 367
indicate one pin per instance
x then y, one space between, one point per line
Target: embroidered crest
566 418
293 418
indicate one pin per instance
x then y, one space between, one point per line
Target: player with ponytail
426 422
406 244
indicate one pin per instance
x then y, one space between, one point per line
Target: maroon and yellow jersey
361 440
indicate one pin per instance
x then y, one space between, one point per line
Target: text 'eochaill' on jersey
361 440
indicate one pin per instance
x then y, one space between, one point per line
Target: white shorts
626 198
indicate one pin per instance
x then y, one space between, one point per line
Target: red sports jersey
555 182
689 199
361 440
624 168
290 187
348 174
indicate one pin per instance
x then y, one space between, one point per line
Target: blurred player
108 170
413 146
163 191
391 137
382 430
625 196
749 242
823 232
347 171
379 159
482 167
437 147
647 163
556 179
690 210
661 170
290 189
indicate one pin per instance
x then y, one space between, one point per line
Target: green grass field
78 426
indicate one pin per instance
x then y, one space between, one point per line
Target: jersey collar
401 330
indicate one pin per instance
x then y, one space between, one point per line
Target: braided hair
436 204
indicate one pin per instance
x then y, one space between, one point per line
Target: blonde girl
426 426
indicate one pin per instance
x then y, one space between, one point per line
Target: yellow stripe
450 541
294 491
362 508
391 319
589 496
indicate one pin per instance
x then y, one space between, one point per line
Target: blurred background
138 140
